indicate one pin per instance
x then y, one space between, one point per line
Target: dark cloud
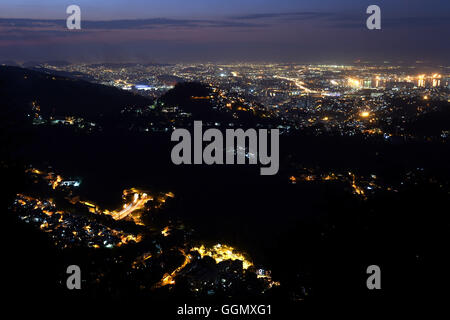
286 15
163 22
337 20
19 34
346 20
127 24
353 21
31 23
39 29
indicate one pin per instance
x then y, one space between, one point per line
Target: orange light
365 114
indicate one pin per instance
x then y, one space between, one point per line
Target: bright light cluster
223 252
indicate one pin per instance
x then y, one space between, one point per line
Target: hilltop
59 96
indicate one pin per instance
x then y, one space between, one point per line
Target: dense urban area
344 99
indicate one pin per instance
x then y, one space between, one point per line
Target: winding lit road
137 204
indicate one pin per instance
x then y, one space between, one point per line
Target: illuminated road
128 209
298 83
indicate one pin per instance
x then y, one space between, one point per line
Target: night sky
232 30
